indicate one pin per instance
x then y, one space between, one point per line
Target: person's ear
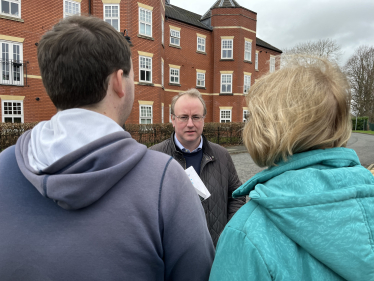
118 83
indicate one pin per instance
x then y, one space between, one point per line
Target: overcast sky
285 23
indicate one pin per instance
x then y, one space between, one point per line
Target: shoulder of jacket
160 146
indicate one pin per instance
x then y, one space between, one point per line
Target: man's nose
190 122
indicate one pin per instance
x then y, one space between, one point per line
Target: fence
220 133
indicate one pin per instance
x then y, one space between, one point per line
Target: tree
326 48
360 72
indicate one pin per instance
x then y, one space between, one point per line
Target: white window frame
145 22
109 19
73 3
162 29
227 48
272 64
175 76
145 68
256 61
175 35
162 113
162 73
200 79
226 83
245 113
146 116
247 50
8 59
18 2
247 84
225 119
201 43
3 115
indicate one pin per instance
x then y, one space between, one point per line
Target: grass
364 132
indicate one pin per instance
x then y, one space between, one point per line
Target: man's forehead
188 101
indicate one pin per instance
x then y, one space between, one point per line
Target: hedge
221 133
362 123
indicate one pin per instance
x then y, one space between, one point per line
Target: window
11 8
245 115
226 80
12 111
71 8
248 51
145 69
145 114
11 64
162 113
256 61
162 29
111 15
162 72
201 44
169 113
225 116
145 22
272 64
227 48
174 37
247 83
200 79
174 76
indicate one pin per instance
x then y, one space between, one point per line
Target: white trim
3 115
111 18
146 116
162 72
225 118
175 76
162 29
176 36
247 52
246 86
202 81
202 43
10 8
272 64
145 69
227 48
72 2
226 83
162 113
256 61
11 74
145 22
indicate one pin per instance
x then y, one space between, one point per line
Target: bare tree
326 48
360 72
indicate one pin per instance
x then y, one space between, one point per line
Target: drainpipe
89 7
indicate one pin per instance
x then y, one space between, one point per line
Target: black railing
12 72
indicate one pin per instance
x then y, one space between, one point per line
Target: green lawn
364 132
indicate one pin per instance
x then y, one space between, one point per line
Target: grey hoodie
111 210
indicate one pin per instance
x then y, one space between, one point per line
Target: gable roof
191 18
266 45
185 16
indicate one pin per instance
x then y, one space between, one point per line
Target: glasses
185 118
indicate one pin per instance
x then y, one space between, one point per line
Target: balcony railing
11 72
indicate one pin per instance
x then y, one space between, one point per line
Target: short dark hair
76 58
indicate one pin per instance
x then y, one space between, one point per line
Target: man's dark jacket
219 176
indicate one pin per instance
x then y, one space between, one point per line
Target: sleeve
188 247
237 259
234 204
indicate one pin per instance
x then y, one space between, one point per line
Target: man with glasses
211 162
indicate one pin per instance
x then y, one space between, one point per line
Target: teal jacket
309 218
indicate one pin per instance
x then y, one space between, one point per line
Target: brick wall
40 15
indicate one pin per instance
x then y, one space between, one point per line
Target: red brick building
173 50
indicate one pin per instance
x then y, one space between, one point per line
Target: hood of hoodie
322 200
83 176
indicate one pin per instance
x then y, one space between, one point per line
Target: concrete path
363 144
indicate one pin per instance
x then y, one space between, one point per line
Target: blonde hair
298 108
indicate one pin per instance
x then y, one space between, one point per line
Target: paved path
363 144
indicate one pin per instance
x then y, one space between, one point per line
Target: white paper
200 187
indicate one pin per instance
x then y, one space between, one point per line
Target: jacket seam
365 217
262 259
160 190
